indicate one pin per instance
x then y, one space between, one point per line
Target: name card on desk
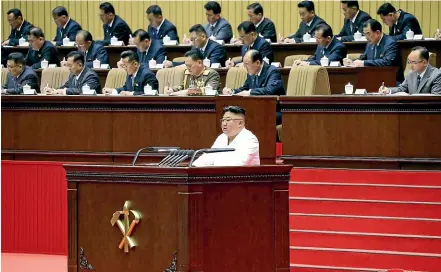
88 91
69 44
334 64
418 37
52 66
360 91
215 65
171 42
276 64
221 42
104 66
117 43
29 91
25 44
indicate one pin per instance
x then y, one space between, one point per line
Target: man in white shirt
234 135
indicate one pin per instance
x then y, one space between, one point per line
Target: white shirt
64 27
157 29
355 17
422 74
261 20
78 76
310 22
246 153
205 46
18 29
111 23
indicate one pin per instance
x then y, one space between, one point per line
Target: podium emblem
126 227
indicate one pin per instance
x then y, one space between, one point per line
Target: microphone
186 155
169 157
176 158
210 150
152 149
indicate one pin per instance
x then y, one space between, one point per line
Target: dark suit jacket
17 34
267 29
88 77
14 85
222 30
215 53
120 29
430 83
48 52
156 51
336 51
268 83
70 31
261 45
405 22
303 28
96 51
388 54
167 28
143 77
346 33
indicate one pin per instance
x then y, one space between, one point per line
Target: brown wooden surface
207 216
362 131
280 50
111 129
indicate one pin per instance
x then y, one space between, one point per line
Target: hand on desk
119 64
229 63
179 93
168 90
351 63
236 41
300 63
187 40
168 64
126 93
50 91
227 91
384 90
5 43
243 93
287 41
108 91
63 63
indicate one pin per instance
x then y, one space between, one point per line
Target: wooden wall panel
186 13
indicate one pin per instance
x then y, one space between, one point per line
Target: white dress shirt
246 153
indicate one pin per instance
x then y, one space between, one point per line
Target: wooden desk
362 131
111 129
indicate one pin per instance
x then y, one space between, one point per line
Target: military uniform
208 77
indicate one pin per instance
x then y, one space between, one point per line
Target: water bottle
96 64
66 41
207 62
113 40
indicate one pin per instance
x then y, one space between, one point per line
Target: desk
362 131
111 129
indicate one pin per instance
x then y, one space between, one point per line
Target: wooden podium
192 219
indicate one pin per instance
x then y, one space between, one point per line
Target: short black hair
142 34
235 110
351 4
16 12
107 7
247 27
257 8
59 11
198 29
131 55
326 30
154 9
424 53
195 54
17 58
385 9
36 32
374 24
308 5
255 55
86 35
77 56
214 6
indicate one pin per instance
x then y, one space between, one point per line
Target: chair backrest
236 59
354 56
4 76
54 77
236 76
289 60
170 77
179 59
308 80
432 61
116 78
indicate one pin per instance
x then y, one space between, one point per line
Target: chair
179 59
236 76
354 56
236 59
170 77
4 76
54 77
308 80
116 78
432 62
289 60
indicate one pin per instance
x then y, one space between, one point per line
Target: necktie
256 82
75 82
351 24
375 51
212 30
418 81
156 33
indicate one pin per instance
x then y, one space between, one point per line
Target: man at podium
234 135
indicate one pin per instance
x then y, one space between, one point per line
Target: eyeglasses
228 120
194 38
413 62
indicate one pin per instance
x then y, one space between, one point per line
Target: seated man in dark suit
247 33
423 78
113 25
210 49
264 26
309 22
40 50
328 46
160 27
148 49
19 27
138 76
217 27
354 20
79 77
66 26
19 75
381 50
262 79
399 22
91 49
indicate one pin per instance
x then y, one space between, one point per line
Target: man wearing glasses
19 75
19 27
40 50
234 135
423 78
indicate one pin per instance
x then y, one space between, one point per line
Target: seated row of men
217 27
262 78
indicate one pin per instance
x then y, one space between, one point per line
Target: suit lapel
135 81
424 79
